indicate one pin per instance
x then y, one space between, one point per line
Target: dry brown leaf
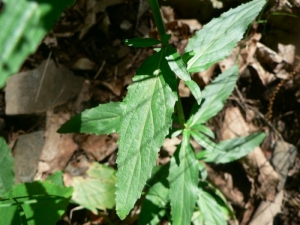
265 77
184 91
287 52
205 76
266 211
58 148
83 64
231 60
255 162
267 55
283 158
277 61
167 14
100 146
170 145
26 156
90 18
226 187
244 56
193 24
115 86
40 89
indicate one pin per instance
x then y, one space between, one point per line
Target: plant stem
165 38
159 22
180 112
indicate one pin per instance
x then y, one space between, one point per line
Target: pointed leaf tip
217 38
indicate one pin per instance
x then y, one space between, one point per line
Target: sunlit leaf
183 180
146 120
103 119
204 129
179 68
212 208
217 38
215 95
232 149
96 190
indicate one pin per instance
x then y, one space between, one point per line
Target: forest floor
87 43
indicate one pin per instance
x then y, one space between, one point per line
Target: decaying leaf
234 125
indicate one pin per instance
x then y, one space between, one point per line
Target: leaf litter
92 49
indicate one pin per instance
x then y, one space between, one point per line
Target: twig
43 77
100 69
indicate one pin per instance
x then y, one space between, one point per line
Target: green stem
180 113
164 39
159 22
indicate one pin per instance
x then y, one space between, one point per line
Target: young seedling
144 118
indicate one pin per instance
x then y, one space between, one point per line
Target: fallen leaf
58 148
38 90
100 146
255 162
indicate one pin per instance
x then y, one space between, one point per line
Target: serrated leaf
23 25
154 205
213 210
141 42
183 180
38 200
97 189
215 95
103 119
217 38
232 149
7 176
148 109
179 68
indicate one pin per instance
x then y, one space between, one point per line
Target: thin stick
100 69
43 77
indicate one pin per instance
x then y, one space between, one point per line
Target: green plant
144 118
29 203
